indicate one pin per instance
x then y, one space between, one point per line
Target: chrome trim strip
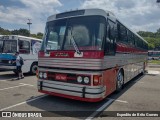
8 67
70 71
73 93
76 89
62 92
69 84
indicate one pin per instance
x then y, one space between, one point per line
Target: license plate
62 77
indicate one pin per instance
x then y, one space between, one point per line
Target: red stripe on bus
70 54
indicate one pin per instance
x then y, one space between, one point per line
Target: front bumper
7 67
72 91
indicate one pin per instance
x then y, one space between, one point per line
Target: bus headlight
79 79
40 74
9 61
86 80
45 75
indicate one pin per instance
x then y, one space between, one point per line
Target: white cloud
36 10
137 14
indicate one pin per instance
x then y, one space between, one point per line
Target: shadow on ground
10 76
71 108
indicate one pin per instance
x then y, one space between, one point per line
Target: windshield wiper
74 42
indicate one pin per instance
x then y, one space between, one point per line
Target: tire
143 69
33 68
119 81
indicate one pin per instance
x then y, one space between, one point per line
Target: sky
139 15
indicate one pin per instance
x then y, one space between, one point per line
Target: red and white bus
88 54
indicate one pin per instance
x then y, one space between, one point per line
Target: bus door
109 76
24 51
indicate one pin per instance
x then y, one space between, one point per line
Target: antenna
29 23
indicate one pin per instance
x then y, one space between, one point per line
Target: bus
1 43
95 54
153 55
27 47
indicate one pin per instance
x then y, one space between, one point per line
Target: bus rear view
76 60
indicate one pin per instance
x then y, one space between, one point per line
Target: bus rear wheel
119 81
33 68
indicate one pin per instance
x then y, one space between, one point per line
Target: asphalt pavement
140 94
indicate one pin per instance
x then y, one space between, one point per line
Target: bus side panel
109 78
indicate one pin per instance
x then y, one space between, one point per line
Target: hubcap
34 68
120 80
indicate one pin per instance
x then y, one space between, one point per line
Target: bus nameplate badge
47 54
78 54
62 77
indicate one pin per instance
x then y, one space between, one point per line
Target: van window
24 47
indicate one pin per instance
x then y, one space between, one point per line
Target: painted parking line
153 72
14 87
7 80
100 109
110 100
27 101
26 84
122 101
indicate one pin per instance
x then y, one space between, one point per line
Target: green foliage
153 38
158 31
154 61
4 32
39 35
23 32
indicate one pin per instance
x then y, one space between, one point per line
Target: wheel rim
34 68
120 80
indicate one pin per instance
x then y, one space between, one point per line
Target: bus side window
110 38
122 33
24 47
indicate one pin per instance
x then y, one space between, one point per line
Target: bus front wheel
119 81
34 68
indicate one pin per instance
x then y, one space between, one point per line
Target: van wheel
119 81
33 68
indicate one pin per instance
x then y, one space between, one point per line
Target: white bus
153 55
27 47
1 43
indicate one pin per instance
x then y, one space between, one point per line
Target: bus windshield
9 46
87 32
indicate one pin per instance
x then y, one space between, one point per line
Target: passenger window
24 47
122 33
110 38
131 40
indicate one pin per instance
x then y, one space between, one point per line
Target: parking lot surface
140 94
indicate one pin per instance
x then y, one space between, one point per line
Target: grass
154 62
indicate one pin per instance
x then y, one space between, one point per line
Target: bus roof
82 12
20 36
88 12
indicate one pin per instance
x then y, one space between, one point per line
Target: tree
4 32
158 31
14 32
23 32
39 35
